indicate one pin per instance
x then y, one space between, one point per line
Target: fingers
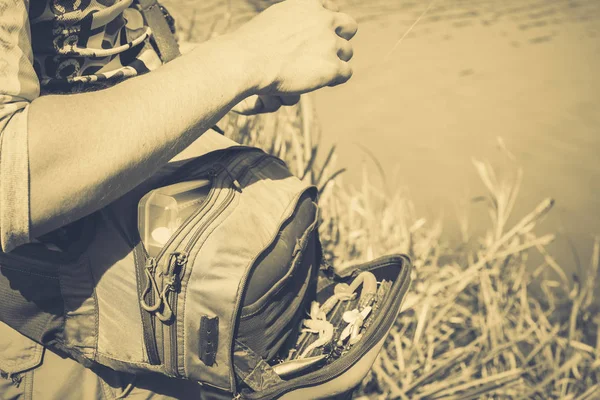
343 75
289 100
345 51
259 104
256 105
249 106
274 103
345 26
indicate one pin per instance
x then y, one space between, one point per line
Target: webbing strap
163 38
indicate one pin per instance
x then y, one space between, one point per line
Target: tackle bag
223 302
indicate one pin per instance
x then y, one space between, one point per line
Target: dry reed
470 327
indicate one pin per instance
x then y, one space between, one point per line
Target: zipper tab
167 313
147 323
172 284
234 181
151 286
237 185
182 258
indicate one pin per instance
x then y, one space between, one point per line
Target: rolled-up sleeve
19 86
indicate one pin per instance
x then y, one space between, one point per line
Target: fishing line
387 56
385 59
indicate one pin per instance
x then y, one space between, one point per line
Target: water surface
471 71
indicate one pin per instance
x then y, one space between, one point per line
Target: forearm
88 149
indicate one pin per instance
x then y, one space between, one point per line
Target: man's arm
86 150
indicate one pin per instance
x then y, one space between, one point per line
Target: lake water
470 72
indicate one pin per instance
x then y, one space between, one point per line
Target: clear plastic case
162 211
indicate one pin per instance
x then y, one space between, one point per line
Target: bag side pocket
267 322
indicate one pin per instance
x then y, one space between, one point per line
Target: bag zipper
172 304
175 268
210 175
149 303
380 326
169 295
146 270
147 318
170 301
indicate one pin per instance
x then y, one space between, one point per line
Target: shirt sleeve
19 86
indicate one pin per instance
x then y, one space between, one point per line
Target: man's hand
302 57
297 46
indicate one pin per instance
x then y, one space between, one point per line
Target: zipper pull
177 261
237 185
167 313
182 258
234 181
150 286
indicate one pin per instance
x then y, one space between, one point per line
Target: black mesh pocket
31 301
282 283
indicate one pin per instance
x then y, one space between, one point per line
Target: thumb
257 104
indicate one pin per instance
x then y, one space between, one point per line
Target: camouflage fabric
81 45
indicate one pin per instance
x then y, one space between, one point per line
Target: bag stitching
137 286
139 364
29 272
96 310
28 382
